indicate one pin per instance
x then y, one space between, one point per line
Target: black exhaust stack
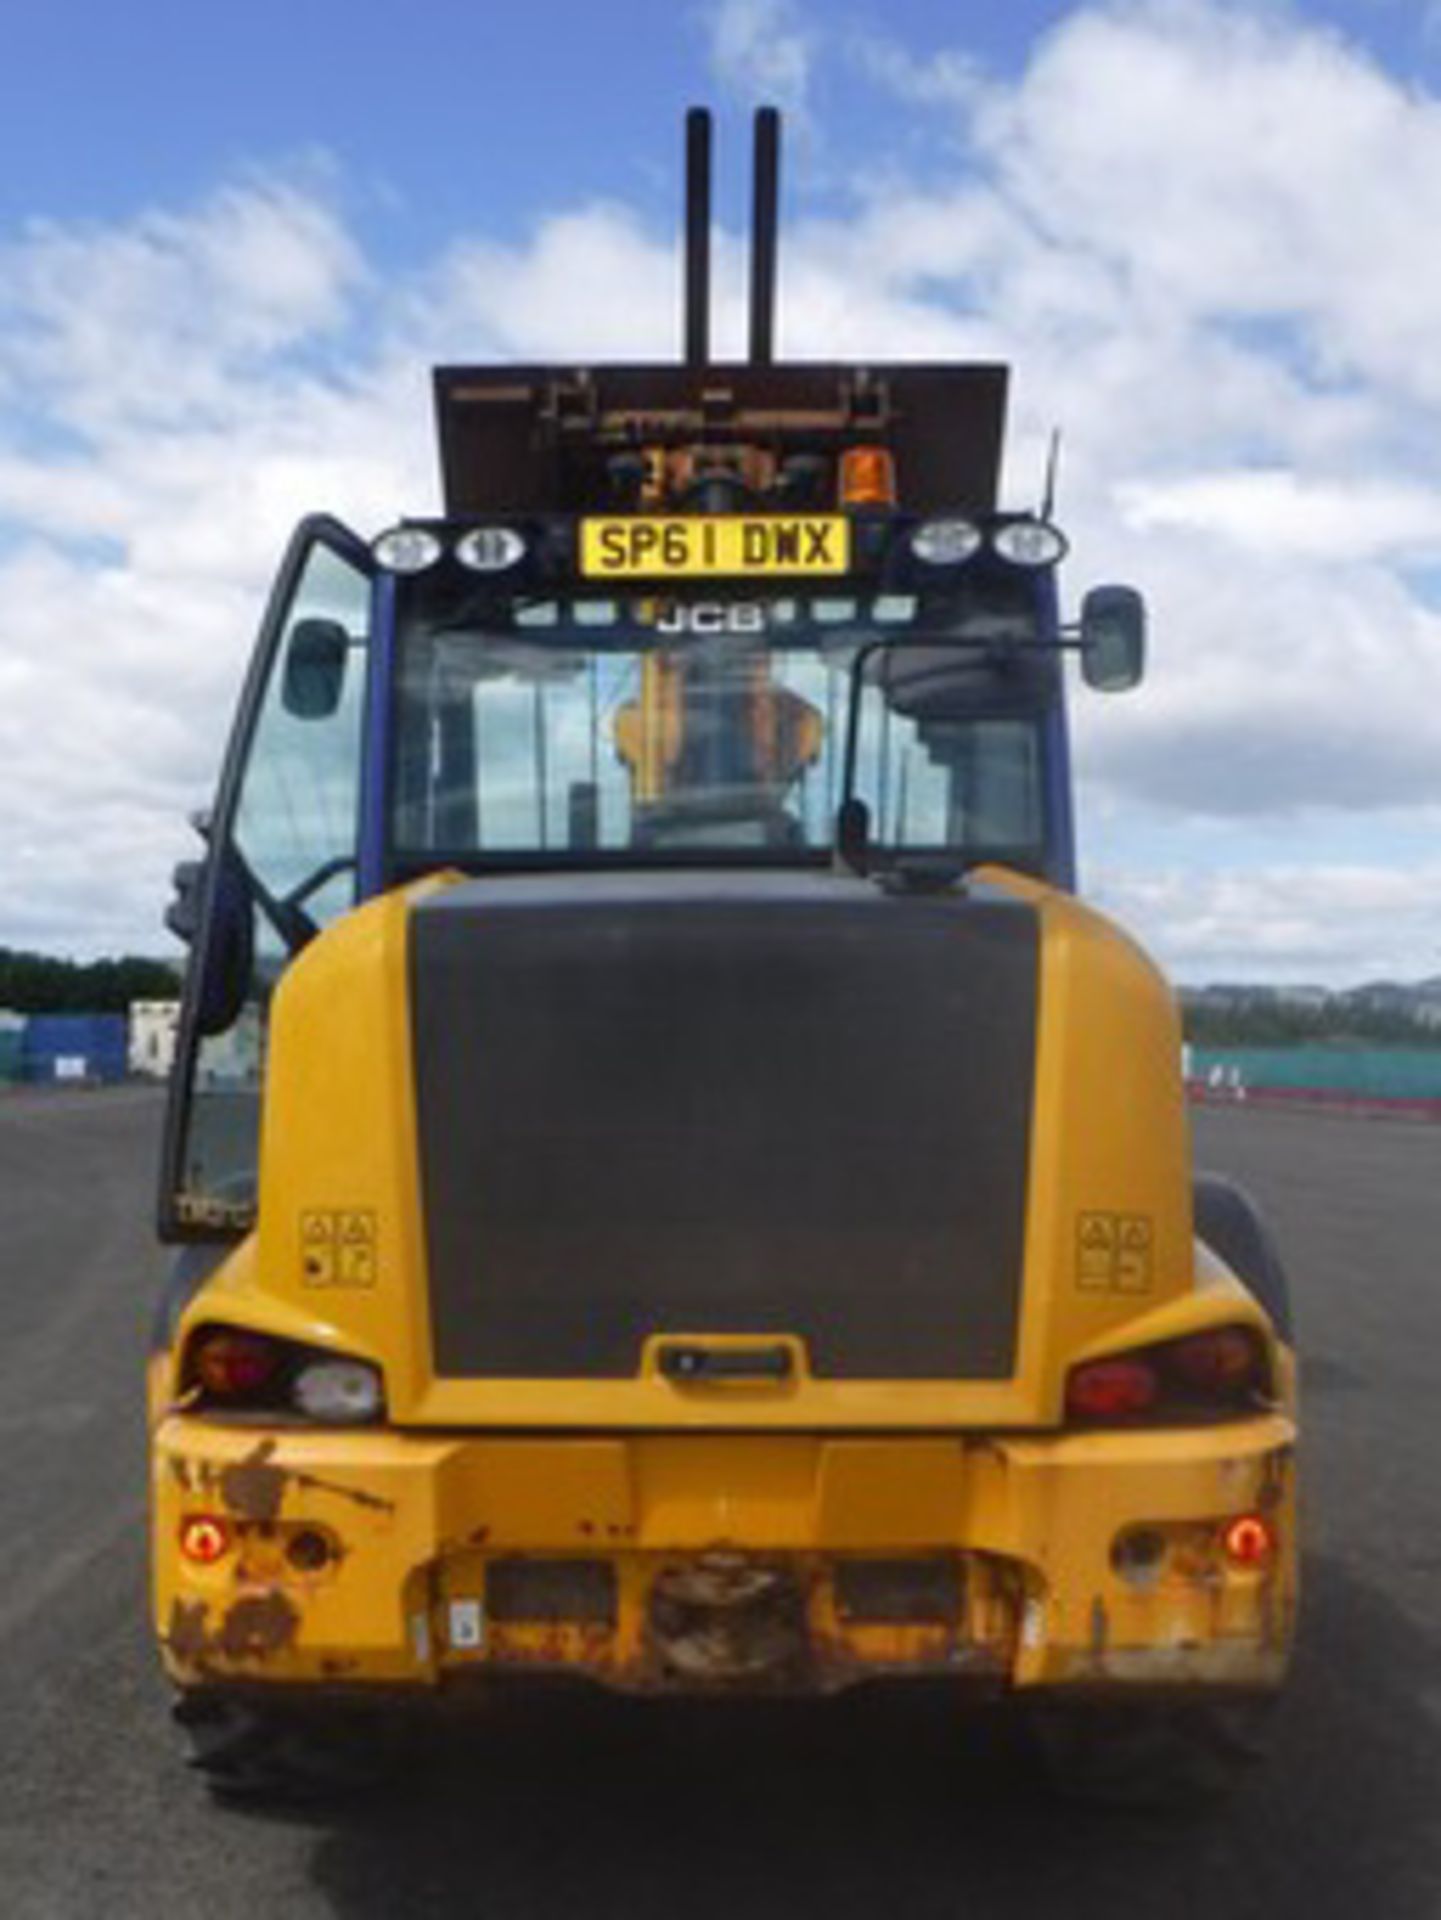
765 223
764 226
697 237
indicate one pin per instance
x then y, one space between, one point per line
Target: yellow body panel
416 1521
1109 1146
650 1475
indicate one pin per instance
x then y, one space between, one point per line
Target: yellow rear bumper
655 1562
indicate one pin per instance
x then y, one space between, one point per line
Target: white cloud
157 319
1198 233
759 50
1276 514
1329 924
951 78
591 284
1236 168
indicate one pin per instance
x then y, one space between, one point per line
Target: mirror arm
287 916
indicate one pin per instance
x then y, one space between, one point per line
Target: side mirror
227 955
1113 638
182 916
313 676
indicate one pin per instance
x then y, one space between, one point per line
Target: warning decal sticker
1114 1252
337 1247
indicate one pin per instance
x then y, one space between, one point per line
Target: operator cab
739 615
599 729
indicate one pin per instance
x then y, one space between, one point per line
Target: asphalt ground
579 1805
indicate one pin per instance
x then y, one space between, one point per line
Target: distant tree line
39 983
1267 1023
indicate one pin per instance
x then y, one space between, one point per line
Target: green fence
1369 1073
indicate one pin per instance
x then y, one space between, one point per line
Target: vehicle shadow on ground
890 1804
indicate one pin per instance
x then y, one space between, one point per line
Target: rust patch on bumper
723 1619
259 1624
252 1627
252 1487
186 1636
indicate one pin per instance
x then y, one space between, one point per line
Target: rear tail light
1216 1359
1112 1389
234 1366
1218 1372
232 1370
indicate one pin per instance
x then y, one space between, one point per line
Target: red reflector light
1249 1541
1221 1357
232 1365
205 1539
1110 1389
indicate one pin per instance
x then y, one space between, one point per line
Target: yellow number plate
763 543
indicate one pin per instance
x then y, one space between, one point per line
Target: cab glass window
290 846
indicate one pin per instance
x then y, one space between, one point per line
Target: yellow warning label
337 1247
1114 1252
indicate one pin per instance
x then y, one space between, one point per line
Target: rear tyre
1230 1223
1172 1754
245 1752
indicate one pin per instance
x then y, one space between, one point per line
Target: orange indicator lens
868 477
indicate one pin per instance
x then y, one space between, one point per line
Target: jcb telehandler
675 1187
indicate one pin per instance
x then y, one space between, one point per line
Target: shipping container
153 1028
12 1029
78 1047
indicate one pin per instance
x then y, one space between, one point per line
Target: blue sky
104 107
232 240
445 111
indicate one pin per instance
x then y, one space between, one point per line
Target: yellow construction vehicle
674 1186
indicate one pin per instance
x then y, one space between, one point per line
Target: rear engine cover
694 1103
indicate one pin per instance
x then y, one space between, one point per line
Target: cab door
282 844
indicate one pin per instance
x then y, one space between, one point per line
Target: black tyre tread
245 1753
1152 1755
1231 1224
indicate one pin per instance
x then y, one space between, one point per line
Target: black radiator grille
704 1104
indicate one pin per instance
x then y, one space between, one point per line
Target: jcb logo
711 616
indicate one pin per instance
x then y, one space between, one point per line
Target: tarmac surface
578 1805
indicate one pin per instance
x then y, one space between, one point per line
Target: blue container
61 1047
